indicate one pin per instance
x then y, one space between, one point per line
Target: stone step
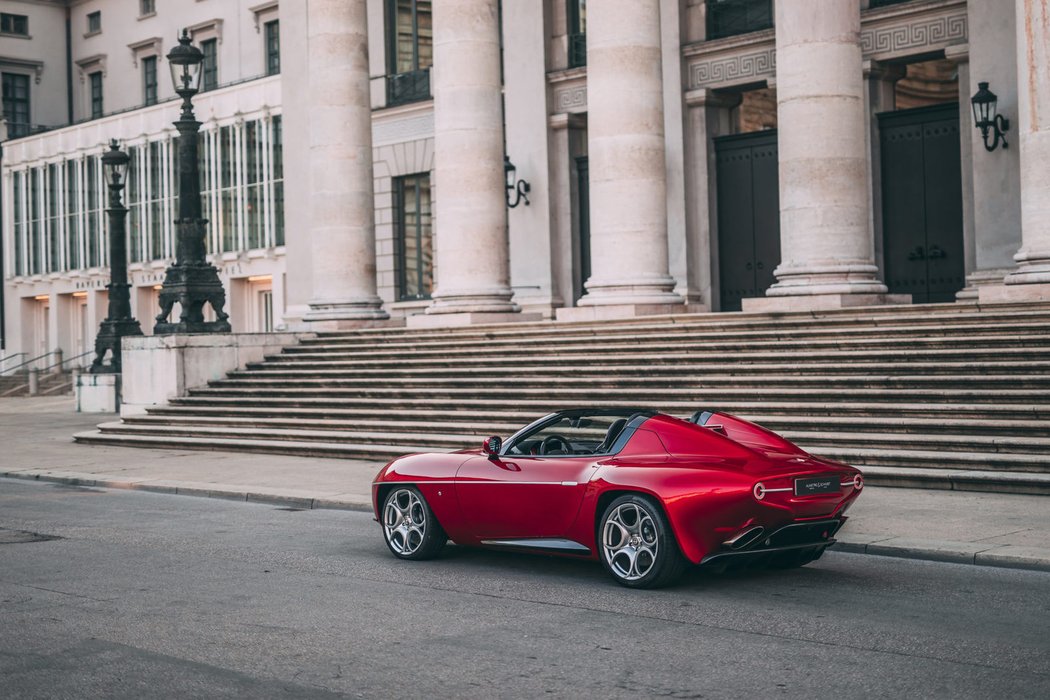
507 422
538 407
875 474
587 379
680 333
741 356
1031 342
889 368
573 394
465 434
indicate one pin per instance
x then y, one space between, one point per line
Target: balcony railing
402 88
577 50
732 17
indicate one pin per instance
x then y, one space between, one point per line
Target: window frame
94 23
404 87
13 20
272 46
576 32
16 129
147 8
149 89
401 235
212 45
96 99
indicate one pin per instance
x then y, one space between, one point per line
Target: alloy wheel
630 541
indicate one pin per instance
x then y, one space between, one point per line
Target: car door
512 497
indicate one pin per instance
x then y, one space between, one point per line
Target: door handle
760 266
747 266
917 254
936 253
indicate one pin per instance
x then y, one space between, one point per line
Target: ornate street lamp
191 281
518 188
985 118
119 321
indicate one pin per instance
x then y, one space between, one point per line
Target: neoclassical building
679 155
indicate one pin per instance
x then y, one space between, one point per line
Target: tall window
92 176
16 104
147 7
210 79
149 80
96 94
732 17
94 22
20 222
273 47
577 33
132 200
410 49
415 239
36 242
14 24
74 239
54 217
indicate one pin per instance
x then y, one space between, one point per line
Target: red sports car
646 493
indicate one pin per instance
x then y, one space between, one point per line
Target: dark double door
922 217
748 215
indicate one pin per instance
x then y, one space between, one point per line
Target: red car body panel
704 477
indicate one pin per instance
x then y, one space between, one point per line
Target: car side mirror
492 446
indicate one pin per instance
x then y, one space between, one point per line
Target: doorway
922 213
748 215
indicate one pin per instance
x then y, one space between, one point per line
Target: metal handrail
14 354
64 361
30 361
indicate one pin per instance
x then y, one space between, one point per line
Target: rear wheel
409 527
637 546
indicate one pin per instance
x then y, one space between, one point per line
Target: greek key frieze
915 33
738 68
571 98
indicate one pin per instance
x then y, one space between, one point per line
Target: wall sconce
986 119
518 188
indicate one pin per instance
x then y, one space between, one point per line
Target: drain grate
23 536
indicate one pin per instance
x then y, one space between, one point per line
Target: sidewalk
974 528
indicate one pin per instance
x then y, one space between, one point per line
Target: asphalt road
146 595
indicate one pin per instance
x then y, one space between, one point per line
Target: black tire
636 524
410 529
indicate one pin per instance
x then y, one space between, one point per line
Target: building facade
679 155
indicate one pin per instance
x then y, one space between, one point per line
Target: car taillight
759 491
858 482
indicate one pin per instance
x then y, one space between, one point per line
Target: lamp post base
108 341
191 286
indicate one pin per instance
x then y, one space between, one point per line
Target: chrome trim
541 543
777 490
569 483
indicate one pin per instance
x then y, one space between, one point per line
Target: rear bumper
815 536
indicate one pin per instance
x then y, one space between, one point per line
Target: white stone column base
1032 268
613 312
98 393
1012 293
370 309
646 291
827 278
981 278
471 301
820 302
349 324
469 318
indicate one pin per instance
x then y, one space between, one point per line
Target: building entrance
922 216
748 215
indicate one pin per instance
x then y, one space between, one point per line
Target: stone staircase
947 396
51 384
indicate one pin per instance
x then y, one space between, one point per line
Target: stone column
1033 135
471 269
628 182
342 204
827 250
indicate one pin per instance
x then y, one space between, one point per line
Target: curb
302 502
999 556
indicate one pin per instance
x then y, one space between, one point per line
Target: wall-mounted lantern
985 117
518 189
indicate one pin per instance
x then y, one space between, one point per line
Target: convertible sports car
644 492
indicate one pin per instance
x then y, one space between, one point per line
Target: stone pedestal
820 302
342 203
471 267
611 312
826 247
97 393
1033 135
156 369
1013 293
628 179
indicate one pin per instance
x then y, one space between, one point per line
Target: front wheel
409 527
637 546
